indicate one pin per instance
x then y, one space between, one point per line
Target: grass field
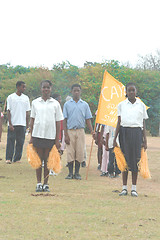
79 210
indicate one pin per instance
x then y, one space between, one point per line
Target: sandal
8 162
124 192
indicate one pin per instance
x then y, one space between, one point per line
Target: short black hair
19 83
130 84
75 85
47 81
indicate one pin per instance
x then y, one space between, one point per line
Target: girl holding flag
132 134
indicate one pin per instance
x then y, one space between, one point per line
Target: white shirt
111 130
45 114
18 106
132 115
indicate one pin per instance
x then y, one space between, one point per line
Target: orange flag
112 93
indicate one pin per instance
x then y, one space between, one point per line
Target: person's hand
93 135
57 143
67 139
107 148
144 144
31 140
114 143
11 127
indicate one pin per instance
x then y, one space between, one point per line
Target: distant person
113 169
105 154
18 107
99 144
76 114
132 135
46 115
0 124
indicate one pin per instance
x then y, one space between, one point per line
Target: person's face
59 99
22 88
131 92
76 92
46 89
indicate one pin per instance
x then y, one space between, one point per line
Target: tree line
146 75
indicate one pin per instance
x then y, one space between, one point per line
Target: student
105 154
18 107
76 113
99 144
132 134
46 115
112 164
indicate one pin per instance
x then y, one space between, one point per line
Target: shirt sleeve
59 114
145 115
88 112
65 111
28 105
33 112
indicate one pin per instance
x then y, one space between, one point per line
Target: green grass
79 210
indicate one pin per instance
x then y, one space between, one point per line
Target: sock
133 187
124 187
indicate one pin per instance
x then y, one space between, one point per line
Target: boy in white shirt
18 107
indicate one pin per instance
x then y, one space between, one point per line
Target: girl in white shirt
46 115
132 134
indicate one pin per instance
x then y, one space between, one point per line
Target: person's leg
10 145
71 152
124 189
134 182
20 137
80 144
39 170
111 163
105 159
46 171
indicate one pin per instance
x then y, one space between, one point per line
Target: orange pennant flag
112 93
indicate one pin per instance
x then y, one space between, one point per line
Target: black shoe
46 188
70 176
77 176
70 167
77 167
39 188
83 164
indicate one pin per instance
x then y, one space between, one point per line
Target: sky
47 32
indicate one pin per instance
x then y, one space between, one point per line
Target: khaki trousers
75 150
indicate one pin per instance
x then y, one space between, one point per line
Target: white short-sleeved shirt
132 115
18 106
111 130
45 114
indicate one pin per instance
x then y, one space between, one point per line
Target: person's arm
31 128
96 133
144 136
117 131
9 120
89 125
58 145
0 126
27 119
107 138
67 139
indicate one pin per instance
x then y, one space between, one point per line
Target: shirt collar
80 100
137 101
48 100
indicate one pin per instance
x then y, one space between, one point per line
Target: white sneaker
52 173
134 193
